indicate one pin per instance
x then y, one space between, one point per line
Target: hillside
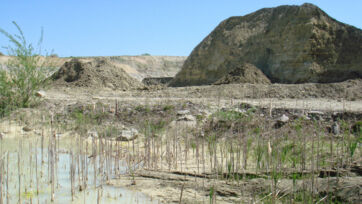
290 44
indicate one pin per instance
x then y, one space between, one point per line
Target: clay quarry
266 109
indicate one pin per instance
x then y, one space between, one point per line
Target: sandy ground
186 184
177 95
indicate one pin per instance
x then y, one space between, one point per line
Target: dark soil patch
246 73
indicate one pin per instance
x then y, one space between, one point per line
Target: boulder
289 44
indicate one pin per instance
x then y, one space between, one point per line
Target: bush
1 54
24 74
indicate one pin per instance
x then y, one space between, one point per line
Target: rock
183 112
183 121
239 110
186 118
283 119
336 129
27 129
128 135
289 44
40 94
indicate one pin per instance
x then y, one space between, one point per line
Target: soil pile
162 81
246 73
97 73
290 44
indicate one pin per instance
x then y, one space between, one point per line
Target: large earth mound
95 73
246 73
290 44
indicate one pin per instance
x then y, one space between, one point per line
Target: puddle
35 173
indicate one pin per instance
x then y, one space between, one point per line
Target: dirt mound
290 44
149 81
246 73
97 73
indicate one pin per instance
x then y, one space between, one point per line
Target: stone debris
27 129
40 94
336 128
283 118
128 135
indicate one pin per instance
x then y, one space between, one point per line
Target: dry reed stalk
72 175
1 179
98 197
56 148
245 151
179 146
186 148
175 146
118 157
78 161
30 164
7 178
94 153
52 162
159 151
110 147
36 168
312 164
86 165
116 108
168 155
42 142
19 171
106 156
318 157
197 154
182 190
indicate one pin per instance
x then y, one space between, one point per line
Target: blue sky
133 27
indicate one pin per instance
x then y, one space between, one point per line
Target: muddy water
35 175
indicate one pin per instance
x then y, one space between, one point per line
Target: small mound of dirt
246 73
98 73
163 81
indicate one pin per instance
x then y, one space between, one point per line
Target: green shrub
228 115
24 74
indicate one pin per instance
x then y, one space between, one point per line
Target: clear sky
133 27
